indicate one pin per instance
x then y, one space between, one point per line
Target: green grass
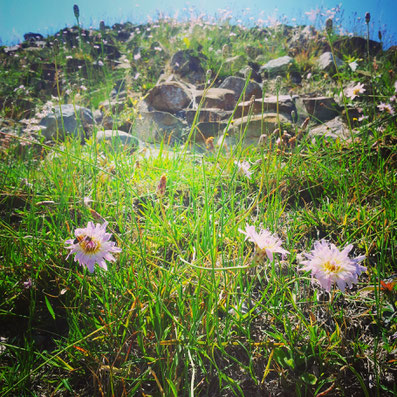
185 309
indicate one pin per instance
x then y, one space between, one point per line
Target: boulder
356 46
118 139
326 63
279 66
334 129
285 105
255 126
236 84
219 98
154 126
188 66
33 37
66 120
206 129
249 71
169 97
207 115
322 108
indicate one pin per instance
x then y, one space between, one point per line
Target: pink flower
395 86
354 91
385 107
266 242
243 167
330 266
92 245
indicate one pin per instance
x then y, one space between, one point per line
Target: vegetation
189 307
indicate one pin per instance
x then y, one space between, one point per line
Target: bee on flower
91 245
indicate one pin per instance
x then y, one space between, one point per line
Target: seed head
76 11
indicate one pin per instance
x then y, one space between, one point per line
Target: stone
169 97
285 105
356 46
75 121
188 66
326 63
118 139
280 66
249 71
33 36
334 129
206 129
236 84
219 98
154 126
207 115
322 108
255 126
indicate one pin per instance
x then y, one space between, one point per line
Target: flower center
356 91
90 245
331 267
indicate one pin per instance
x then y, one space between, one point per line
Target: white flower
354 91
266 242
385 107
92 245
353 65
330 266
395 86
243 167
137 56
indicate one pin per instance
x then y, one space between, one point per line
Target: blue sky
48 16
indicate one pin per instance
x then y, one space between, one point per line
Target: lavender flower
354 91
92 245
330 266
266 242
385 107
243 167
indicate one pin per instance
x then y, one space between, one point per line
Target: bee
81 238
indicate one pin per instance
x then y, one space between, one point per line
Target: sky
49 16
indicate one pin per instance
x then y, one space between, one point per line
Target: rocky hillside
149 81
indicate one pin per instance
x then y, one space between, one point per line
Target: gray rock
285 105
255 126
326 62
155 126
188 66
204 130
219 98
118 139
334 129
68 120
279 66
207 115
322 108
169 97
236 84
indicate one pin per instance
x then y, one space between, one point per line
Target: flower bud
367 17
328 25
76 11
102 26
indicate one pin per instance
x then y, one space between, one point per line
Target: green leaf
49 307
289 362
309 378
